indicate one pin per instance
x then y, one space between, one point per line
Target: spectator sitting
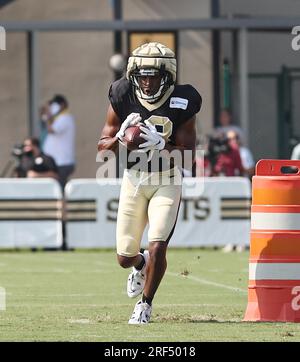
246 155
34 163
227 125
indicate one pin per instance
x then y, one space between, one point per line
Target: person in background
221 158
224 157
60 140
34 163
246 155
226 124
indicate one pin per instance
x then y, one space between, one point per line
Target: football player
149 95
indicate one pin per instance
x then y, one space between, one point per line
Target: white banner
213 213
30 213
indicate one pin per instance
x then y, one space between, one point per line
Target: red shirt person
223 158
229 163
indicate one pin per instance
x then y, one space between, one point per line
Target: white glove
131 120
154 141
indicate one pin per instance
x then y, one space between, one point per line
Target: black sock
142 263
146 299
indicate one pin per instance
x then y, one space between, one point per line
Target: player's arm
185 140
114 129
108 139
185 137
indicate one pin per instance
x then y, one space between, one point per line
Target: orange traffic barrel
274 263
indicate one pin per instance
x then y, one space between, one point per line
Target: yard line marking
208 282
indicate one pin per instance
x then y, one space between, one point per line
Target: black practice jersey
183 103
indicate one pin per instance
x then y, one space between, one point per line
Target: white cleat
141 314
137 278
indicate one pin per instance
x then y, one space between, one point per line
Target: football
132 138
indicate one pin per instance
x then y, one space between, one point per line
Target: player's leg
155 269
132 219
162 213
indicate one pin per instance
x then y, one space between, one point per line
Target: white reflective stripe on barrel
274 271
275 221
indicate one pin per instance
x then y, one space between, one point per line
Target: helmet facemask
149 60
165 82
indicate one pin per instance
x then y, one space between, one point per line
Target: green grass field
81 296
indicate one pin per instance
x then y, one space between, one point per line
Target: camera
18 150
22 159
216 146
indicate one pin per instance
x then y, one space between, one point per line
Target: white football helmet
148 60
